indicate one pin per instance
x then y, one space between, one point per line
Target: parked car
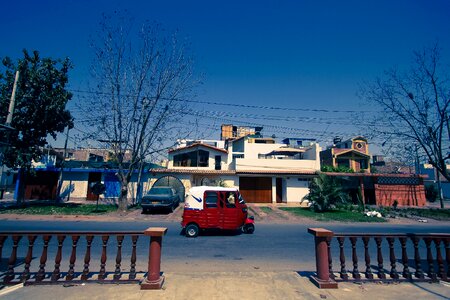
160 197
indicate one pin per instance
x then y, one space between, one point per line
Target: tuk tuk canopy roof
200 190
194 199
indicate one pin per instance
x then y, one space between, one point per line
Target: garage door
256 189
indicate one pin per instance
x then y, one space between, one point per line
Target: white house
263 170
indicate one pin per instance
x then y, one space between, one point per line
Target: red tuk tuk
208 207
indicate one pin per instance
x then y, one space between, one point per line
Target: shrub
326 192
431 193
339 169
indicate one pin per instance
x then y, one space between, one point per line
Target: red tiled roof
287 172
338 151
233 172
197 145
193 171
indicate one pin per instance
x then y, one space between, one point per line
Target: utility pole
58 190
12 102
8 127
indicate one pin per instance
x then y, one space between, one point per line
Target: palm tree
325 191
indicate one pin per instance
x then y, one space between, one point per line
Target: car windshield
159 191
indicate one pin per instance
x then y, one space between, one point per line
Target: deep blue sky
297 54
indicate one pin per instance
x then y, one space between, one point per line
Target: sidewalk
237 285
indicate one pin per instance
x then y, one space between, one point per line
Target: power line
234 104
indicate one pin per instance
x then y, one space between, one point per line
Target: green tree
326 191
40 106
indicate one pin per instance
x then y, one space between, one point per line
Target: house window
95 158
198 158
343 163
363 164
184 160
217 159
203 158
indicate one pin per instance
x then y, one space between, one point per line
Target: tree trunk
139 183
439 187
20 197
123 198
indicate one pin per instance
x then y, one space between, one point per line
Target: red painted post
154 280
322 280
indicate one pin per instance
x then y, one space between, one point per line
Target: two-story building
352 153
264 170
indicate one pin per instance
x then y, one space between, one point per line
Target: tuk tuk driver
231 201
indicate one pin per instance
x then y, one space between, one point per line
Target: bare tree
139 79
415 107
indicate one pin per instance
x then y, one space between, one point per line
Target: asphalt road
273 247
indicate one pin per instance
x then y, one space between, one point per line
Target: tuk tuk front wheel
248 228
192 230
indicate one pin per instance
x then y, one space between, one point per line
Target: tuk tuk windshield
241 200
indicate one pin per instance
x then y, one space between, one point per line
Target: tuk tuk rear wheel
192 230
248 228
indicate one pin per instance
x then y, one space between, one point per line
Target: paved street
273 247
275 260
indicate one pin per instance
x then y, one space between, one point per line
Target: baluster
41 273
406 273
117 273
368 272
2 241
355 272
381 274
102 273
441 270
87 257
73 257
330 260
134 239
12 259
431 272
417 260
343 272
393 273
57 273
26 270
447 255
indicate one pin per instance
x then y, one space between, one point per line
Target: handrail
427 249
13 239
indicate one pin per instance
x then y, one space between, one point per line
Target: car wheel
145 210
248 228
192 230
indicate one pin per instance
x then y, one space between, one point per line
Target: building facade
264 171
352 154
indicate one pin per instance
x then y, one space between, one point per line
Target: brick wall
406 195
